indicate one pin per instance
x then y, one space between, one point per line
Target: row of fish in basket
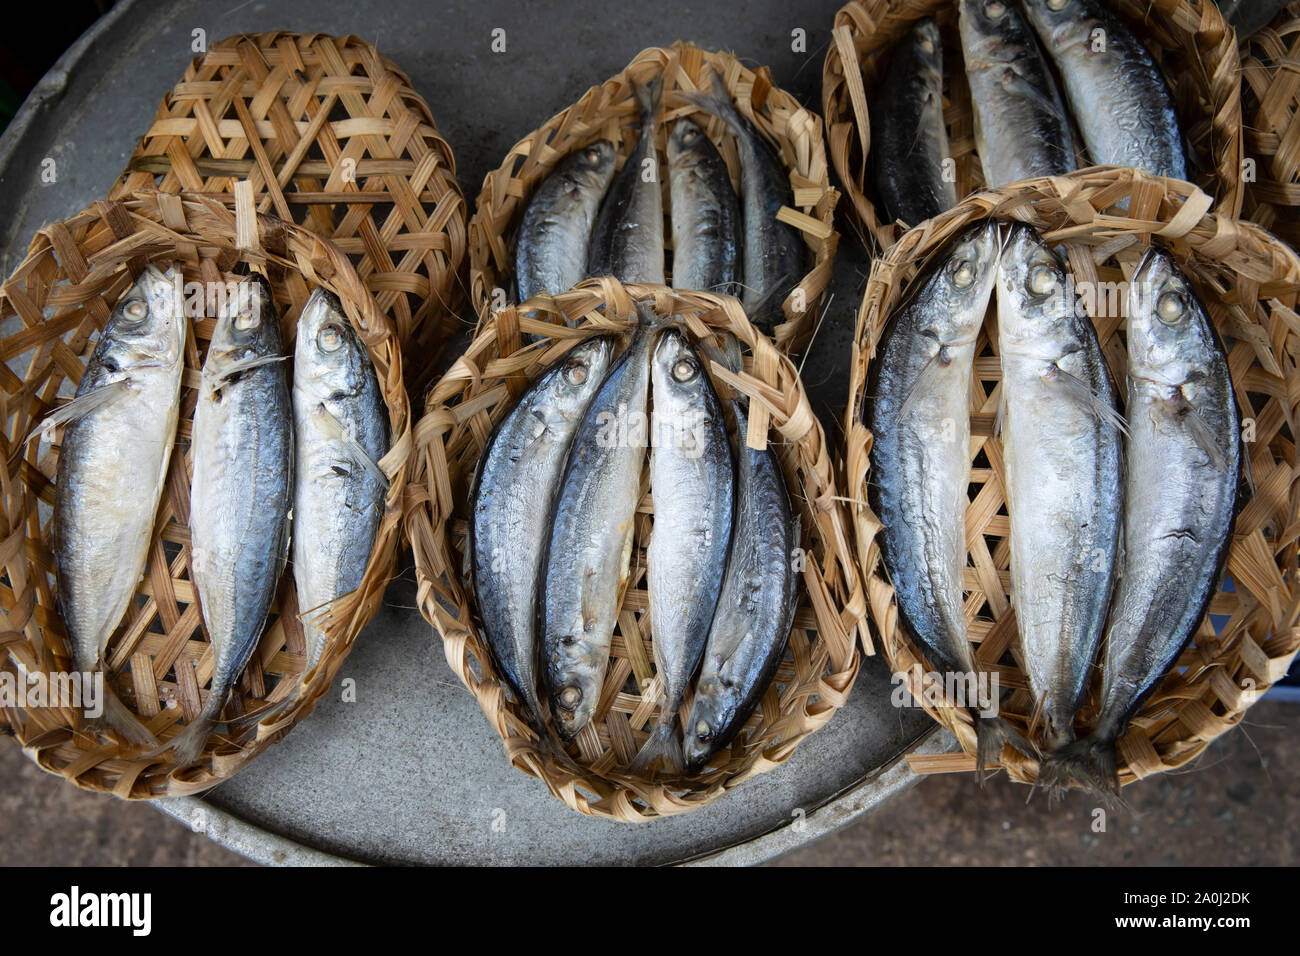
266 457
1118 101
1121 511
551 536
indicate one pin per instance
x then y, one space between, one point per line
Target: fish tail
648 95
717 100
118 718
993 734
663 746
1090 763
188 744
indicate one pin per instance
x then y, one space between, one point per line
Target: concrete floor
1239 804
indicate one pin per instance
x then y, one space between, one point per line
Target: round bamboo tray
1270 97
1188 38
1250 284
610 111
53 307
332 137
820 664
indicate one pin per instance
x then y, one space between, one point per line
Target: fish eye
592 154
685 369
703 732
330 338
1042 279
1170 307
135 310
1056 4
995 9
246 319
963 273
570 696
575 373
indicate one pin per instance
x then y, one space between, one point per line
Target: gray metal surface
411 772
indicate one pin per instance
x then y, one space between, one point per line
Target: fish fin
119 718
717 100
647 96
188 744
332 428
664 746
1245 480
1089 763
1021 87
240 366
80 407
1203 435
993 734
928 371
1078 389
1000 418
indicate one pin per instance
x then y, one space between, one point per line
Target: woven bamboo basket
820 664
610 111
1250 284
1270 92
1188 38
53 307
332 137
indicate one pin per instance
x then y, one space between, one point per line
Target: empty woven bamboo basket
1250 284
610 111
1270 92
1189 39
332 137
820 663
53 308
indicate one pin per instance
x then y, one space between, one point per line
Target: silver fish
755 610
628 241
1021 127
1119 97
706 213
918 411
240 492
586 564
514 490
555 235
1183 467
774 251
692 478
340 434
909 139
111 472
1061 444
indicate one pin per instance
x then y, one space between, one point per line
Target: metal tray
411 772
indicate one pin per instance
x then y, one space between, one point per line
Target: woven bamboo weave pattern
1250 284
1270 73
1189 40
332 137
610 111
820 664
53 307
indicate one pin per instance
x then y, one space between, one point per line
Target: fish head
987 24
688 144
925 34
677 376
569 385
1036 297
591 168
247 325
329 357
1061 23
1169 335
958 287
147 326
576 668
713 710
